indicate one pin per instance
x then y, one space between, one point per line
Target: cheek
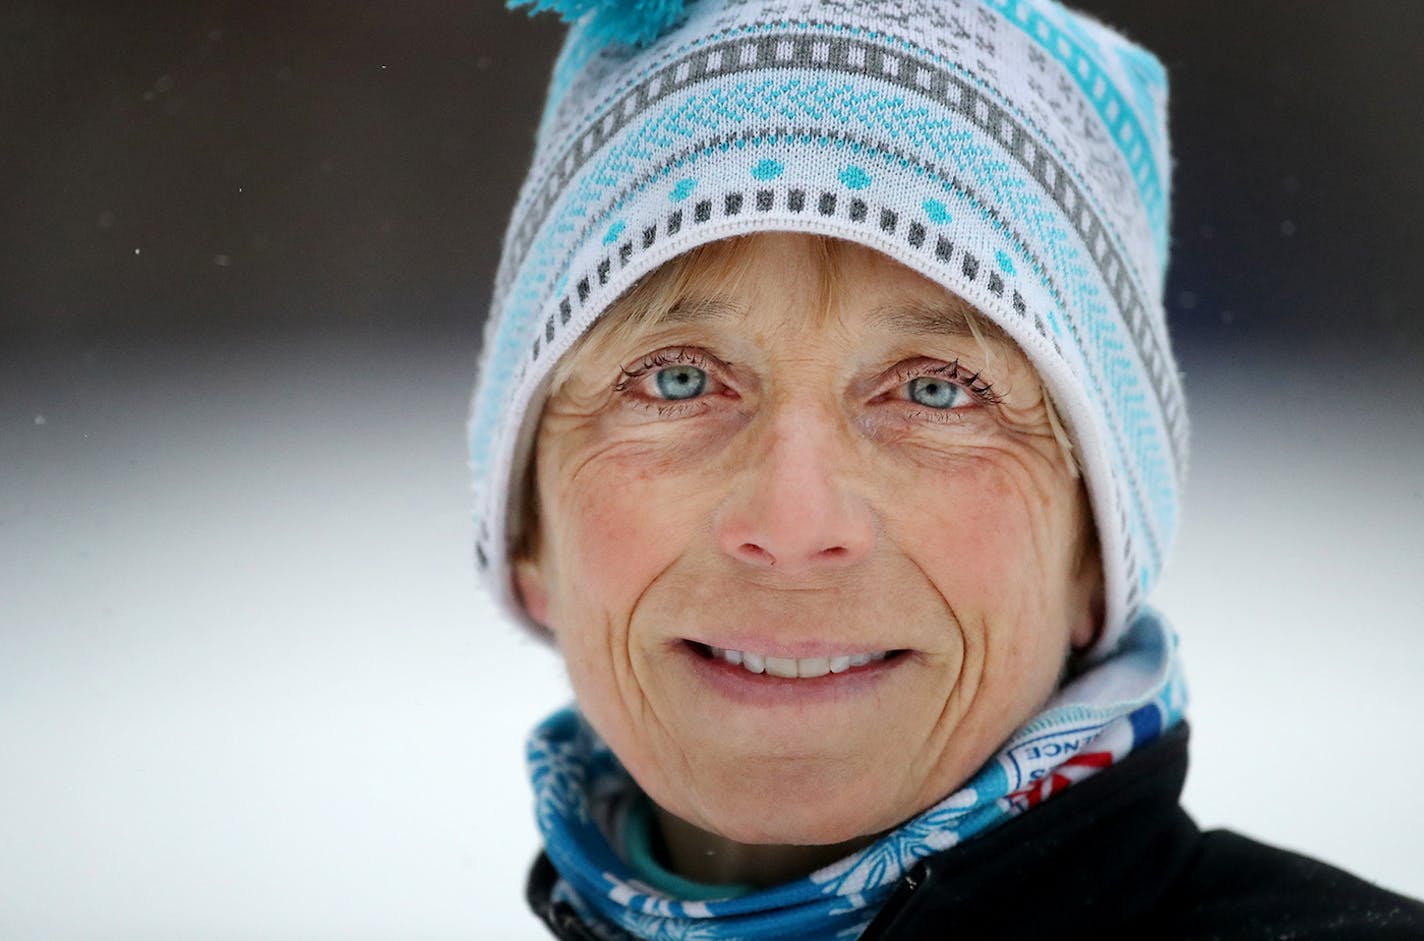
621 526
981 530
971 518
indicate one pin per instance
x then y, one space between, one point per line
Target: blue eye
934 392
681 382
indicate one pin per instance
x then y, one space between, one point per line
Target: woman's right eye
675 381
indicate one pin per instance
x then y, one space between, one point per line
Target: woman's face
838 482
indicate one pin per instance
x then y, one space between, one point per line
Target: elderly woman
828 426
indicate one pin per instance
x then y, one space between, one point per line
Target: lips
758 662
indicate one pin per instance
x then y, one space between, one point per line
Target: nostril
756 553
835 552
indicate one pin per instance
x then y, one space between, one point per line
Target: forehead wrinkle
792 318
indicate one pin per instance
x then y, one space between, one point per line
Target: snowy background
248 685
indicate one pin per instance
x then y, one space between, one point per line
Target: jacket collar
1096 856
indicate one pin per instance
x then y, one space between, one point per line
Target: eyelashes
632 388
972 382
672 356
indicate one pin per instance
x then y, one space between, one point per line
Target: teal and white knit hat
1011 150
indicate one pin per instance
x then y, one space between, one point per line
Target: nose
792 508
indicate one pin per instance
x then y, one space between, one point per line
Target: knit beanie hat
1013 151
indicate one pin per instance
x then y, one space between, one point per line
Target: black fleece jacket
1113 857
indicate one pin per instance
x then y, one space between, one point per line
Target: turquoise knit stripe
1064 37
1124 97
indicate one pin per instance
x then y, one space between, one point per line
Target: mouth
791 668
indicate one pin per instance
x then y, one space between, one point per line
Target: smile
790 667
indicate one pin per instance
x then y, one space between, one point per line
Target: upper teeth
791 667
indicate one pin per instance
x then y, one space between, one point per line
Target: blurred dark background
177 167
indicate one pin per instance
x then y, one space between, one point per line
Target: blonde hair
647 304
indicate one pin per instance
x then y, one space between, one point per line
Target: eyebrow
694 310
922 319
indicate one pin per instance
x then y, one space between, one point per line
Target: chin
822 814
817 831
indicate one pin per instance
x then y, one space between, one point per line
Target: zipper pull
909 883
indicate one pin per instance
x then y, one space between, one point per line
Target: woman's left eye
942 388
936 392
676 383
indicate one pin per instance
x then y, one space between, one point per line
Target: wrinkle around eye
646 447
578 399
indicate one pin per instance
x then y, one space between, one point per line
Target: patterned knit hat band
1013 152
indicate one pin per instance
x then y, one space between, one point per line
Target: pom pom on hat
630 22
